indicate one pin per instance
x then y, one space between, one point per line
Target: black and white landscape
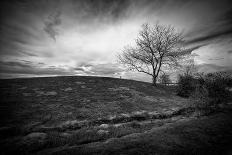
116 77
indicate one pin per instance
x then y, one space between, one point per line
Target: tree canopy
156 47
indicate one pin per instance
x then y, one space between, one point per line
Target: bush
186 85
216 85
208 89
199 96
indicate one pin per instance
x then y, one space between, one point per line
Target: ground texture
95 115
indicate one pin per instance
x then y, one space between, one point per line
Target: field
98 115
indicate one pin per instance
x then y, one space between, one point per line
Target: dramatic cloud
83 37
27 67
208 68
211 36
53 20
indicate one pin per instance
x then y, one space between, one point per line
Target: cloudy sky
74 37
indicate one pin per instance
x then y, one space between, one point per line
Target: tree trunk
154 79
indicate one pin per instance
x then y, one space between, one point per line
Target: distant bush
217 85
205 89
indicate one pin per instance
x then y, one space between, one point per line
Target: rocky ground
90 115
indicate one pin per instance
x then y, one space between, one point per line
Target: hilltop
99 115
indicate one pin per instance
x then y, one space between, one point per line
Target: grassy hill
92 115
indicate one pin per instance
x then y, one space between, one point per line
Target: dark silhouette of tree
156 47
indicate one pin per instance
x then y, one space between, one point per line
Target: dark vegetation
206 89
164 79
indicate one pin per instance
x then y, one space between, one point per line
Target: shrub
206 89
211 90
216 85
199 96
164 79
186 85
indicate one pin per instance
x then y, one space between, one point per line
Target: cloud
14 68
90 9
226 18
104 69
10 48
229 52
20 31
52 21
85 64
79 69
136 76
26 53
24 67
14 64
216 25
209 68
216 58
191 49
211 36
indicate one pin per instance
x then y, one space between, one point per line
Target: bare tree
156 47
164 79
190 68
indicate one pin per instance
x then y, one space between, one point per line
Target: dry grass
73 110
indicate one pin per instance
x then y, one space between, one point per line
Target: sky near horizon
74 37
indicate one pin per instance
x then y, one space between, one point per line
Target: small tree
164 79
189 69
156 47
